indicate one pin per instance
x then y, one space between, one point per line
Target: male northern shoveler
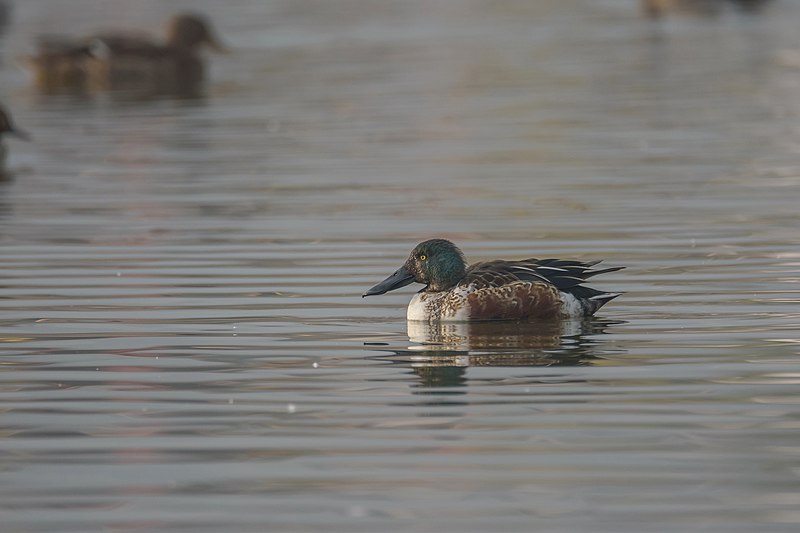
494 290
126 61
7 128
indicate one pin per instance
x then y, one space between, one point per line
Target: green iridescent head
437 263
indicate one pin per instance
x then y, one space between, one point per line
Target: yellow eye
423 257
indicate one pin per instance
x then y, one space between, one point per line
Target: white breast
438 306
417 308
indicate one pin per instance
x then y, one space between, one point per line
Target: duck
127 61
7 127
527 289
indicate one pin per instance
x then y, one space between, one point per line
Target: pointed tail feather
591 273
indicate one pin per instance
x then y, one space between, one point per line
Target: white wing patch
417 310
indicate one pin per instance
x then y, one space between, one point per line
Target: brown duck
127 61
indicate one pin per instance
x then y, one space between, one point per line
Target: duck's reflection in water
444 351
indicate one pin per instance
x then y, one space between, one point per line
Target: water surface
184 346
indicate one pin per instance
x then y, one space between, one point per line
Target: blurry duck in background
7 128
124 61
5 16
659 8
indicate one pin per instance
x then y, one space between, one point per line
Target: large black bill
401 278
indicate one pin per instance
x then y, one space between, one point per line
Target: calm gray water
184 347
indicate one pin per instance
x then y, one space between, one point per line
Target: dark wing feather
62 46
128 45
496 274
564 275
119 44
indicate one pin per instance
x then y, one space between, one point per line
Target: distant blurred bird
7 128
658 8
5 15
127 61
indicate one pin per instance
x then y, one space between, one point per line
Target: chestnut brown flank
515 301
